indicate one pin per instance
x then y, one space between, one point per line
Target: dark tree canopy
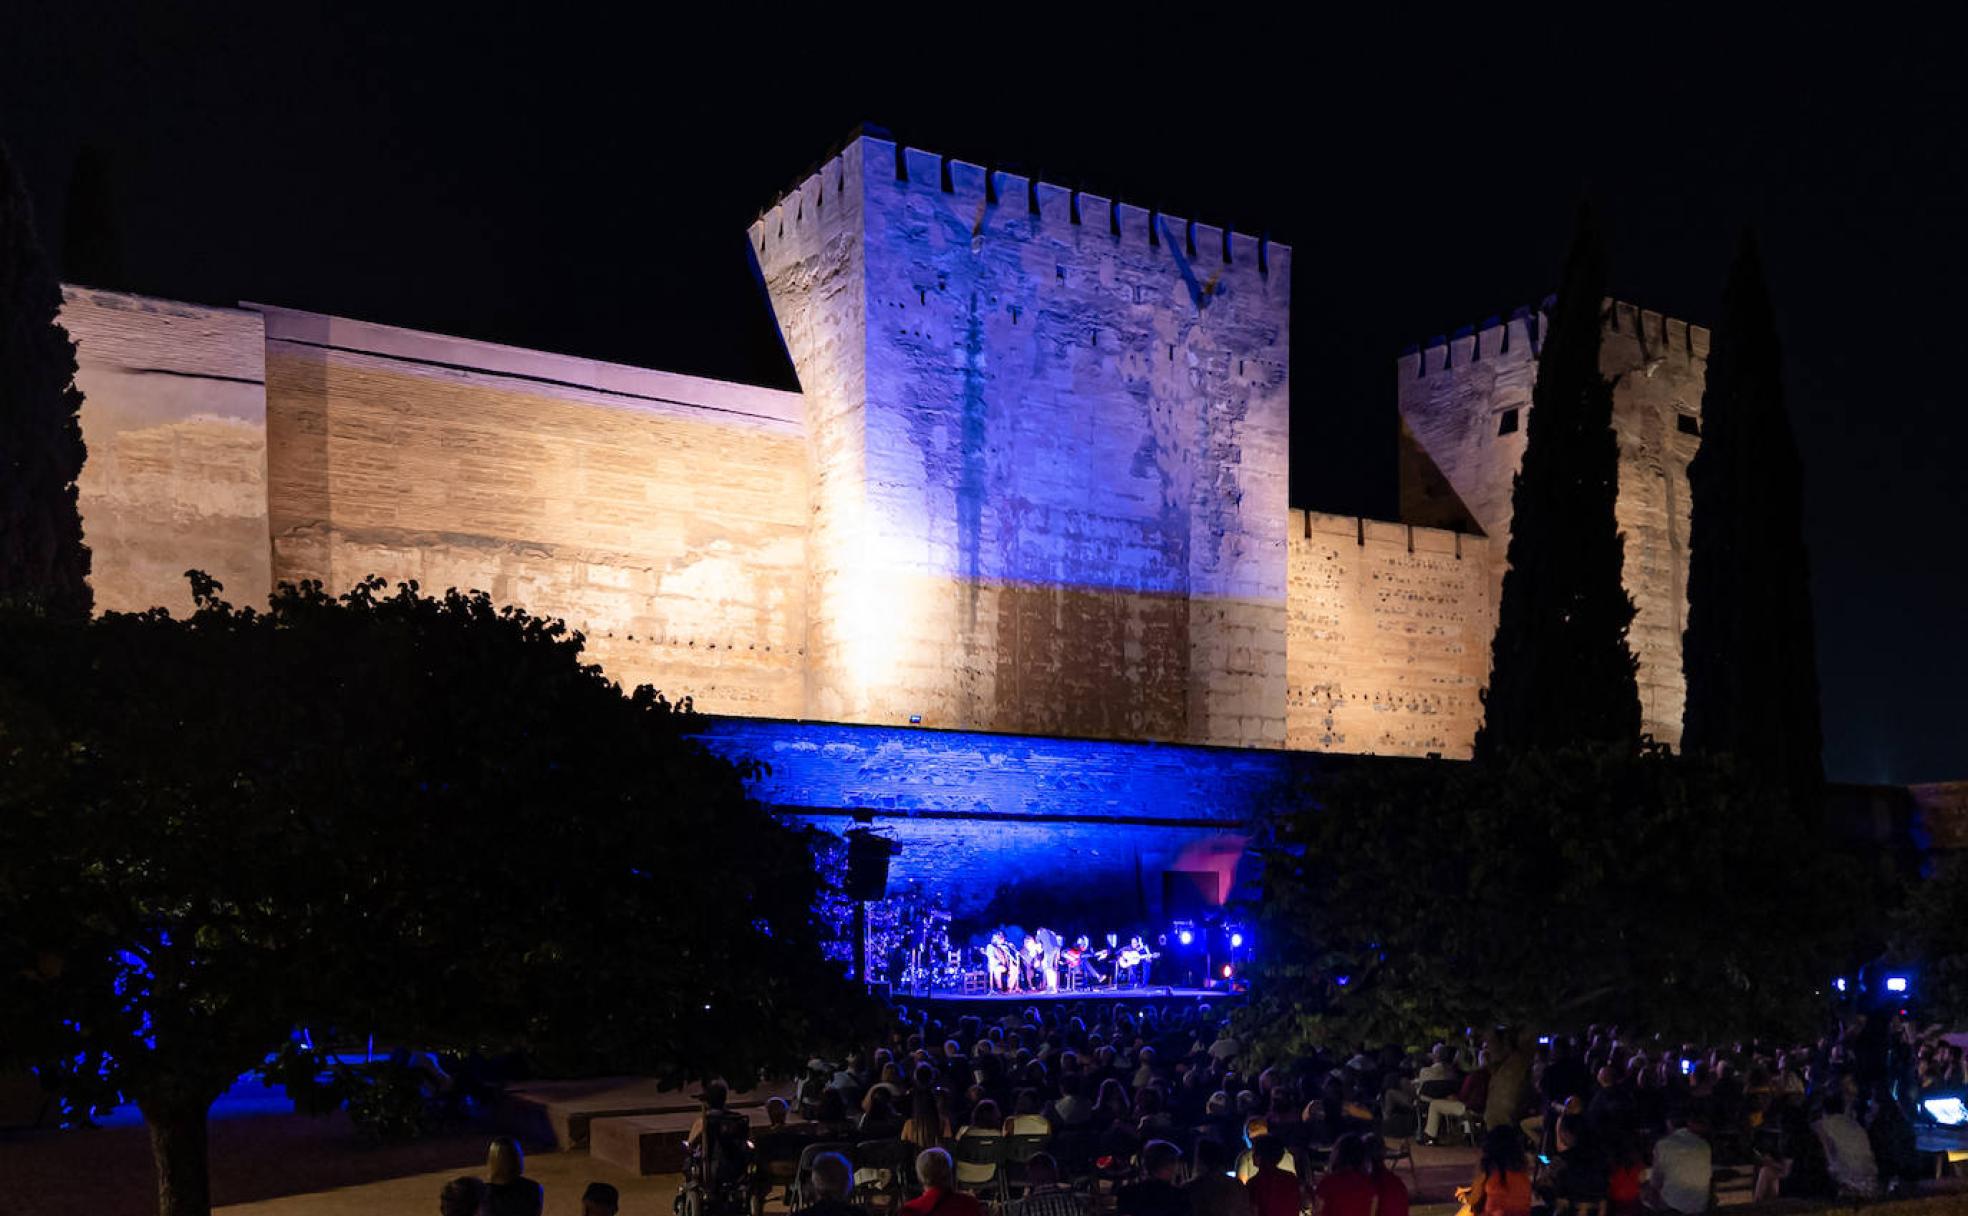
1750 647
422 818
1407 899
43 562
1561 670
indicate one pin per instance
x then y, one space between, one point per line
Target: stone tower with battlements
1464 402
1048 453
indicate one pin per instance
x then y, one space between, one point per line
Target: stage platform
1153 994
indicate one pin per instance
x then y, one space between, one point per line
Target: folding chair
979 1163
1017 1151
891 1162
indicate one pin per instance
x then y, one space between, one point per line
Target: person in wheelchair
716 1173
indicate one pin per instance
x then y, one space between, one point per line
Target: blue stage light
1186 937
1839 983
1236 941
1896 983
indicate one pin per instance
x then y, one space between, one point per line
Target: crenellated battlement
1519 338
1013 204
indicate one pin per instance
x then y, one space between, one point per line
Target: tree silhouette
1750 650
43 563
1561 670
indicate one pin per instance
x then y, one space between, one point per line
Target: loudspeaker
1189 894
867 865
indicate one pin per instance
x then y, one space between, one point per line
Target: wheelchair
717 1177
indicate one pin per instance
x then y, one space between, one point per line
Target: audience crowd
1151 1111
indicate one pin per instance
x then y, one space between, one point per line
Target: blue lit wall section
1021 826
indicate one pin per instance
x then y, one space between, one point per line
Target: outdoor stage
959 1003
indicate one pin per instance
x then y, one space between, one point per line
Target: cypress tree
44 565
1749 649
1561 671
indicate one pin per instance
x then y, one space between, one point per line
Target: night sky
555 182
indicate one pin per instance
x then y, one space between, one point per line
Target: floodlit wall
174 416
984 818
1050 441
1388 637
662 515
1466 401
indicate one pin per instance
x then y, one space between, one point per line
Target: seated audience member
1025 1117
926 1127
1796 1169
1502 1186
1156 1194
1389 1190
984 1121
1071 1109
1045 1193
833 1184
1214 1191
1578 1172
1626 1170
830 1115
461 1197
602 1199
940 1195
713 1097
1254 1129
1683 1175
1346 1190
508 1192
881 1122
775 1114
1847 1150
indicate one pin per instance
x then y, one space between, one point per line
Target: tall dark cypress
44 565
1749 650
1561 671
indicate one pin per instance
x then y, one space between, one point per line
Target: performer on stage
1002 963
1132 968
1033 958
1049 943
1079 968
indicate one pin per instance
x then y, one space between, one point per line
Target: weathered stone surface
174 416
975 812
1049 440
1455 399
664 516
1388 637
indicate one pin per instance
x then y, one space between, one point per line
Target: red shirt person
1347 1189
940 1195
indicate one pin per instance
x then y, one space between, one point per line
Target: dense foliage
422 818
1933 932
1561 670
1404 901
1750 651
44 566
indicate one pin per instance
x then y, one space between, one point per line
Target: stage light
1236 941
1342 980
915 719
1186 937
1228 971
1839 983
1896 983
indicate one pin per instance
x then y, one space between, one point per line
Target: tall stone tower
1464 403
1048 435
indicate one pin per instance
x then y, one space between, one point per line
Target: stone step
640 1144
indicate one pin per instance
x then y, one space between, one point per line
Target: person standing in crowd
1156 1194
1214 1190
1683 1175
601 1199
1510 1079
1346 1190
508 1192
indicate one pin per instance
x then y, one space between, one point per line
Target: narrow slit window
1507 422
1687 424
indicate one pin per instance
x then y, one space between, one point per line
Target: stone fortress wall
1034 483
174 415
1050 447
1465 402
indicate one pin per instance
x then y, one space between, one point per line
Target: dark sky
554 181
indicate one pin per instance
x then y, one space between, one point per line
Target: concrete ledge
641 1144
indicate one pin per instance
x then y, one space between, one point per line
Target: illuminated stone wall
663 515
174 416
1023 819
1050 453
1455 396
1387 637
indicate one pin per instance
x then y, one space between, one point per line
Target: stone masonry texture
1049 434
1464 403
